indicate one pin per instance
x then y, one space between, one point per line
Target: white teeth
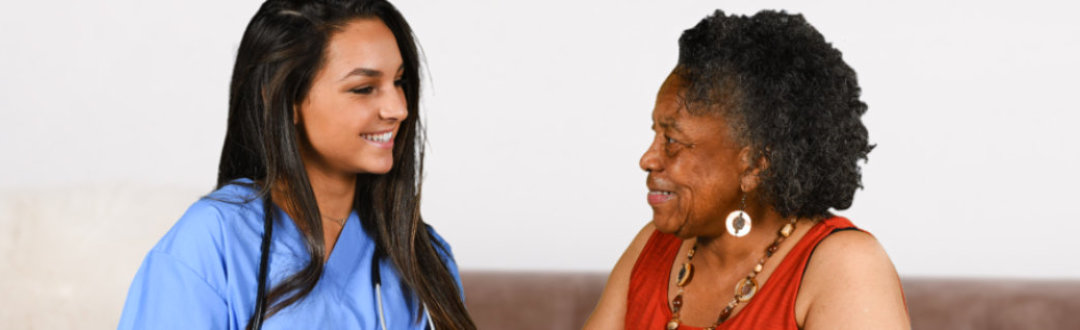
382 138
658 192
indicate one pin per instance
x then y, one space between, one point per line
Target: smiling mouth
659 196
379 137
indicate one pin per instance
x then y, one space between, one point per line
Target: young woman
315 223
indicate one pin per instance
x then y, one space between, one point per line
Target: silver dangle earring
738 222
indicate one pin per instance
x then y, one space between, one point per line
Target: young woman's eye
362 90
399 82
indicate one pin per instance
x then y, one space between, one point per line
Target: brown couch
520 300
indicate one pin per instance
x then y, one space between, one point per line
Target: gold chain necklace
744 289
339 222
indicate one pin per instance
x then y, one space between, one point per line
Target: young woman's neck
333 196
334 193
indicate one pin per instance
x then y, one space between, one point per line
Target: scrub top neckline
346 253
346 250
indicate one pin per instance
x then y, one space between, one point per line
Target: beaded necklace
744 289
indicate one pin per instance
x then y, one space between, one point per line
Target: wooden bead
786 231
676 304
772 249
673 324
724 314
746 289
685 273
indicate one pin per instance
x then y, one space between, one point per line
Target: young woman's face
356 104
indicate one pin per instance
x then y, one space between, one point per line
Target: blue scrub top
202 274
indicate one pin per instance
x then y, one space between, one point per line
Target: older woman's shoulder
850 248
850 280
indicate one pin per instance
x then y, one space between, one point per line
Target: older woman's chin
668 225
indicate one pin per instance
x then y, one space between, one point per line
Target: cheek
707 187
327 127
333 128
343 113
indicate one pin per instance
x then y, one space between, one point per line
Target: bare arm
850 283
610 312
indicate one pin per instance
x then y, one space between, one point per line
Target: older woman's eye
669 140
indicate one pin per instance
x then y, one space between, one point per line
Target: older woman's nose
650 161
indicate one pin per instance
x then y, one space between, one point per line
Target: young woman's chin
375 165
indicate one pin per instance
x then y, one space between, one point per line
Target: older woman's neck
726 250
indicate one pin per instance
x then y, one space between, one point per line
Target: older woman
758 136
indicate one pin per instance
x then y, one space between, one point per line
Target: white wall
538 111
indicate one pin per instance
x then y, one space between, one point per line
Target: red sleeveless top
772 308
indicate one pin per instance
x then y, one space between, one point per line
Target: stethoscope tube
376 281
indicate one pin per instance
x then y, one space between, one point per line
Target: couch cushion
959 304
531 300
536 300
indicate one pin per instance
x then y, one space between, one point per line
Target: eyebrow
668 123
363 72
368 72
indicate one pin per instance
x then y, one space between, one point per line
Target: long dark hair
282 49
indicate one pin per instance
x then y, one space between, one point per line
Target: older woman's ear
751 164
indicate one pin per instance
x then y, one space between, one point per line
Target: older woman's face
693 167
